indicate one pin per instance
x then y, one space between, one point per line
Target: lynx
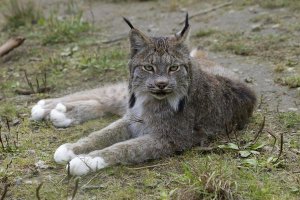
171 103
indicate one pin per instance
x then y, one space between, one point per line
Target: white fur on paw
82 165
37 111
63 154
58 116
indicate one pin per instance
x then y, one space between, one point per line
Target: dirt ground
258 41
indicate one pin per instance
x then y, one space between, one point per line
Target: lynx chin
172 102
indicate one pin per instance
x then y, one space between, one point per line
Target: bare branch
203 12
10 44
4 191
281 148
75 188
38 191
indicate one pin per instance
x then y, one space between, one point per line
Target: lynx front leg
131 151
114 133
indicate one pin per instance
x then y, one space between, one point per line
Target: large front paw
83 165
64 153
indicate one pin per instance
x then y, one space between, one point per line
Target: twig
260 101
38 191
227 132
116 39
203 12
10 44
85 185
37 84
260 130
4 191
1 141
23 92
28 82
92 187
7 124
75 188
150 166
281 148
275 138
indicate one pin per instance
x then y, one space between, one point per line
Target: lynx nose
162 83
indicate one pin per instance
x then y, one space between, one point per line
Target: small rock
41 165
248 80
276 26
31 152
19 181
15 122
235 70
293 109
290 69
256 27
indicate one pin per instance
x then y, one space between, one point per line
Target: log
10 44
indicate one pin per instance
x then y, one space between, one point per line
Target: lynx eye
148 68
174 68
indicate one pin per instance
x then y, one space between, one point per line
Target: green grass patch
290 119
204 33
20 13
64 30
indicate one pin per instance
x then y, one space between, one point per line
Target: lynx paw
63 154
82 165
38 111
58 116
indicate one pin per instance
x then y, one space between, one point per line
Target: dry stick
203 12
38 191
45 79
116 39
150 166
281 148
10 44
28 82
260 130
7 124
227 132
75 189
5 191
260 101
37 84
1 141
275 138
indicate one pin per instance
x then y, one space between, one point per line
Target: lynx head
160 67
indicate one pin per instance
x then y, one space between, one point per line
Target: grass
204 33
290 119
290 81
19 13
64 30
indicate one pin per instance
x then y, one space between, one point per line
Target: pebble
41 165
293 109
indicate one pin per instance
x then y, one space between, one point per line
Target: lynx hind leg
67 114
82 106
114 133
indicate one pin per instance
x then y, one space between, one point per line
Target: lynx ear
138 40
183 35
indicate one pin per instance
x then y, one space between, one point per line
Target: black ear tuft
186 25
128 22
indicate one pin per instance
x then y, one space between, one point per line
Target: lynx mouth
160 94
